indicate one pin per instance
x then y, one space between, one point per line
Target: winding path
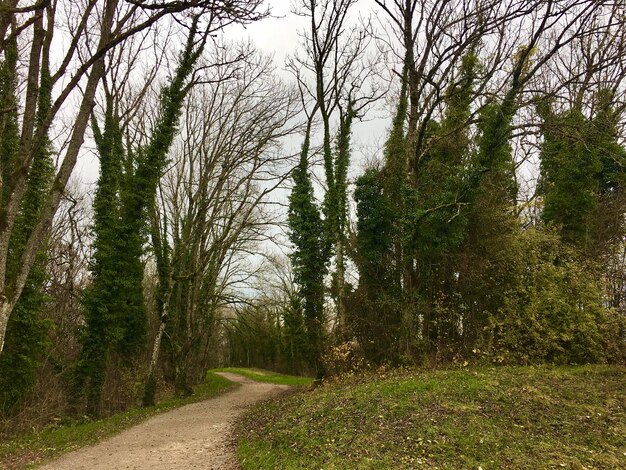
193 436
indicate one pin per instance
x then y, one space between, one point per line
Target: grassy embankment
508 417
53 441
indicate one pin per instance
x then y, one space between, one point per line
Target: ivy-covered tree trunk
436 220
308 260
33 138
115 311
582 167
342 162
375 317
490 190
104 298
163 300
27 331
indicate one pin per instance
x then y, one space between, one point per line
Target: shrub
555 311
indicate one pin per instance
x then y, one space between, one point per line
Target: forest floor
468 418
193 436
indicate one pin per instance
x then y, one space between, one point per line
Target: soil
193 436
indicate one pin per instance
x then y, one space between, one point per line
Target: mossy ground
506 417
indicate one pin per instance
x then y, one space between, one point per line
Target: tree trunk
5 312
341 294
150 387
54 197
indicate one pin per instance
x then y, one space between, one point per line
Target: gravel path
193 436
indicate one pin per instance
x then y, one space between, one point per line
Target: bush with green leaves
555 312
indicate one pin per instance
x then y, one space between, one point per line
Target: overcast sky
278 36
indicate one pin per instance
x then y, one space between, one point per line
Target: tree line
111 295
489 226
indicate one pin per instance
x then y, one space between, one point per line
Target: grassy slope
261 375
56 440
547 417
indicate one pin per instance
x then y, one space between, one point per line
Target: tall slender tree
28 338
309 257
115 311
335 56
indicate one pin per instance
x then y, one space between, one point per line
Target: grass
267 376
508 417
30 449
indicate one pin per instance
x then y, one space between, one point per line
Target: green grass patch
489 418
261 375
52 441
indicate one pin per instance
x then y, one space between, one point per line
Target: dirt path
193 436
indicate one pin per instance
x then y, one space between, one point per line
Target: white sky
278 36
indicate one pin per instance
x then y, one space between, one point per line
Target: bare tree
67 266
211 212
